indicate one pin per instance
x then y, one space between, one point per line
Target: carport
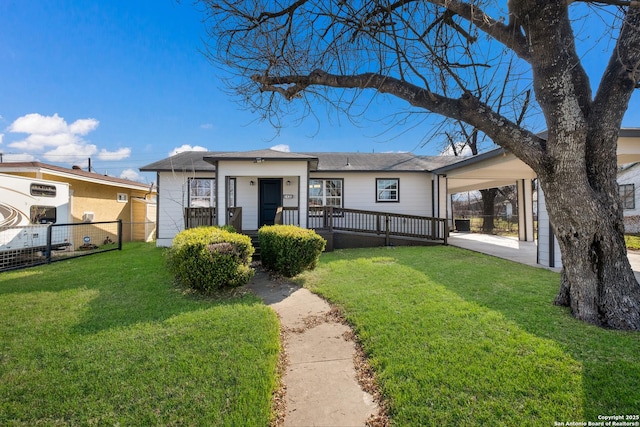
500 167
495 168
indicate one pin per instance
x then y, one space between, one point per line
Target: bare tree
424 52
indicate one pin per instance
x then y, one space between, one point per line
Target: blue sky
124 82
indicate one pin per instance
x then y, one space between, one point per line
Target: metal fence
31 245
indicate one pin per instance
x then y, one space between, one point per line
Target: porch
370 228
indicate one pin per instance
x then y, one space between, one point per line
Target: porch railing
342 219
197 217
379 223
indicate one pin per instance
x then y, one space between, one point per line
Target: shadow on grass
492 315
123 288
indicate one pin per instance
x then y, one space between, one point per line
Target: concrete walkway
320 377
513 249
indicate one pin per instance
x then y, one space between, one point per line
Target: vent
87 217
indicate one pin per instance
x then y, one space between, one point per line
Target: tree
424 52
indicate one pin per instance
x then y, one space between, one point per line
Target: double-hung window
202 193
387 190
627 194
325 192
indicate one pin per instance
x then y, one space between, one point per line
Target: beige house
95 197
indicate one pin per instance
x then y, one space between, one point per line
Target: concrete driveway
513 249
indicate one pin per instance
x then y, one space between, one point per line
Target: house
628 187
95 197
252 187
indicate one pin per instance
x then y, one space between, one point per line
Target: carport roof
499 167
495 168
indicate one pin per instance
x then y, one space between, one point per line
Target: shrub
208 258
289 250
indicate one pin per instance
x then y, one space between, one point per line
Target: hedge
208 258
289 250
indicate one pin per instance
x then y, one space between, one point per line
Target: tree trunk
597 281
488 209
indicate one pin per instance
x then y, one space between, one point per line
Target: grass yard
459 338
108 340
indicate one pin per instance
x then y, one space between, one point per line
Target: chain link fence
31 245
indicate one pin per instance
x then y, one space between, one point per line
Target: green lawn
459 338
108 340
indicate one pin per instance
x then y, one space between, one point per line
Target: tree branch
467 108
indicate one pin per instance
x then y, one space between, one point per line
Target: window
325 192
123 197
201 193
42 190
43 214
627 194
231 193
387 190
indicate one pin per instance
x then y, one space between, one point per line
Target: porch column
442 199
221 195
525 210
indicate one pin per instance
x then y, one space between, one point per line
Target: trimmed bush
289 250
208 258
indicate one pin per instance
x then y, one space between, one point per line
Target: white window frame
122 197
381 191
320 184
198 195
627 194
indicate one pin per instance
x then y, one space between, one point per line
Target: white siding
632 216
247 195
172 198
544 235
359 191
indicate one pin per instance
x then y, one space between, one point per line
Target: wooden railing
342 219
198 217
380 223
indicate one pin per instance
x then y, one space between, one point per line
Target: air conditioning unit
87 217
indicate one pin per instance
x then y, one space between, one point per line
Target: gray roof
378 162
322 162
267 154
187 161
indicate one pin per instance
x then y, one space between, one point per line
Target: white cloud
206 126
1 135
281 147
71 153
24 157
120 154
132 175
83 126
462 149
60 142
39 142
38 124
186 147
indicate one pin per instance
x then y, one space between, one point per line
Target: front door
270 199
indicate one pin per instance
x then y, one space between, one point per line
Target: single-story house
95 197
252 188
254 184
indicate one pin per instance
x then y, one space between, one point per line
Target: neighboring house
95 197
261 181
629 189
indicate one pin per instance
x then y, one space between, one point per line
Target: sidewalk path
320 378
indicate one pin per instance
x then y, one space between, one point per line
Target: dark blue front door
270 199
